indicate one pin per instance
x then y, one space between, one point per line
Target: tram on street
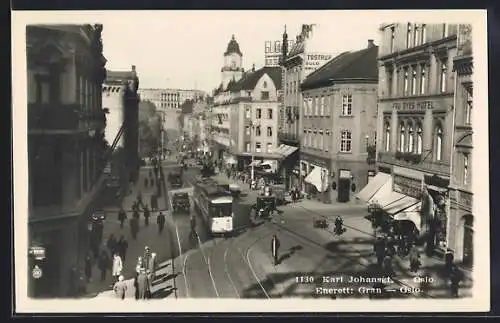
215 205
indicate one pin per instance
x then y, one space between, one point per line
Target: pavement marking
226 269
207 261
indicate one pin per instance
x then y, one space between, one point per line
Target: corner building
415 129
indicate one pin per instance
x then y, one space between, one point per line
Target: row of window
416 35
272 61
258 113
410 138
319 106
258 147
258 131
318 139
169 105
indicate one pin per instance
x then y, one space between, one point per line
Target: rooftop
233 47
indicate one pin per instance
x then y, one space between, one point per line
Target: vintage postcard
256 161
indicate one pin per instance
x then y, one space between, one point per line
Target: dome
233 47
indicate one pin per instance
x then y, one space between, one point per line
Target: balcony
414 161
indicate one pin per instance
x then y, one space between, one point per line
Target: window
411 138
233 63
402 136
258 113
414 81
269 131
345 141
393 34
419 139
390 72
257 131
257 147
387 132
468 106
423 34
347 105
270 114
321 138
264 85
445 30
269 147
247 130
417 35
406 87
439 143
408 36
322 106
248 113
277 46
423 79
264 95
247 147
466 169
444 73
268 46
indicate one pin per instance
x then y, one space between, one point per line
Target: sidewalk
145 237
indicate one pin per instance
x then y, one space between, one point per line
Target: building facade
339 123
306 46
461 226
273 51
169 99
66 146
415 128
120 101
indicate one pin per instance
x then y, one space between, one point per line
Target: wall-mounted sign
344 173
36 272
314 61
407 186
413 106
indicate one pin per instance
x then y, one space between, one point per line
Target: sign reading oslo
36 272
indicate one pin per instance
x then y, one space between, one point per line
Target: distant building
273 52
339 124
170 99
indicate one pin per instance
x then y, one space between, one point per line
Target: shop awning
411 214
382 193
389 199
373 186
401 204
315 178
285 150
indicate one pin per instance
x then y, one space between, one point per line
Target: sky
185 49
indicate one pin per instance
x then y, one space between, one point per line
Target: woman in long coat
117 266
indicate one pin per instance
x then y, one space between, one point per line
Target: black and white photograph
214 161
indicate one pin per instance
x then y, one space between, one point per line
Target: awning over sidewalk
315 178
373 186
411 214
382 193
387 200
285 150
401 204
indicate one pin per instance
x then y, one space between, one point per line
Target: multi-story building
118 92
306 55
415 128
244 112
460 237
65 148
273 52
168 99
339 121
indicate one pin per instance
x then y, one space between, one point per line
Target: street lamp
252 172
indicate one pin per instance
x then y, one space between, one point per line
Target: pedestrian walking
379 248
134 227
122 216
120 287
122 247
146 257
117 267
142 284
275 245
88 266
146 215
136 285
414 259
448 261
149 287
103 264
160 220
153 265
111 244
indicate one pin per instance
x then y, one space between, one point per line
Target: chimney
133 68
253 67
370 43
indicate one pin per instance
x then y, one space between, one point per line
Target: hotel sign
406 185
313 61
413 106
